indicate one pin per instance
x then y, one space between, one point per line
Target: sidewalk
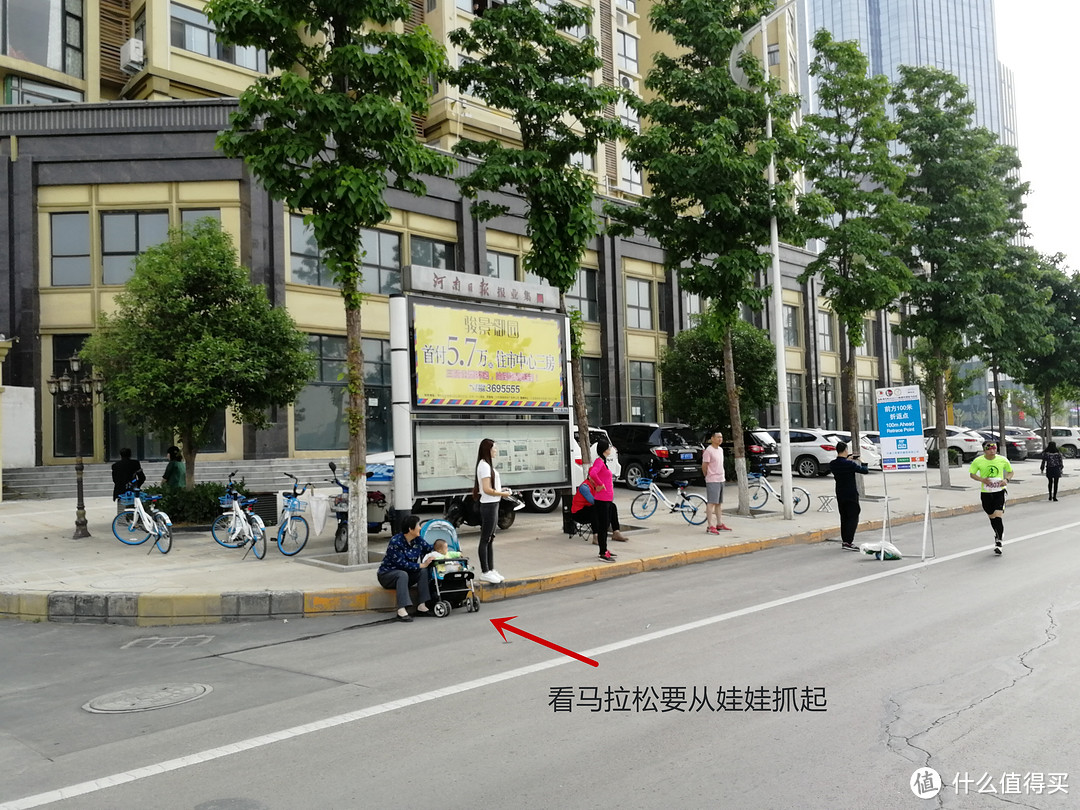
47 576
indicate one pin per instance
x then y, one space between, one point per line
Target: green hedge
954 457
198 505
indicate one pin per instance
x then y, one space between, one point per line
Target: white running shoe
488 576
501 578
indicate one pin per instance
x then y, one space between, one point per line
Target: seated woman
583 511
405 565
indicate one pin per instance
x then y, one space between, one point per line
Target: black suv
668 451
762 454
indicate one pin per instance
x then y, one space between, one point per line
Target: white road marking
136 774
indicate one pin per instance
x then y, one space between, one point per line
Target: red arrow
503 624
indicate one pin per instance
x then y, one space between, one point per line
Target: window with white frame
191 30
432 253
867 349
642 377
626 51
791 326
796 415
20 90
638 303
582 296
825 333
584 161
501 265
864 402
774 55
630 175
45 32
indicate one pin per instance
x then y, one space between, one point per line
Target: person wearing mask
844 469
488 489
604 498
124 470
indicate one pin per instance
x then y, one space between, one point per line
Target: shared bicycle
691 507
135 525
760 489
239 527
293 531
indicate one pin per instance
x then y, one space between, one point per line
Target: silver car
1032 439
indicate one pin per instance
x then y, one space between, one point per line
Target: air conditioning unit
131 56
627 83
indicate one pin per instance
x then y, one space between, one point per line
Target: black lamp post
823 386
74 391
990 397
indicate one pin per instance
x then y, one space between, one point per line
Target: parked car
873 436
1067 440
762 454
1031 438
869 453
964 440
668 451
811 450
1015 447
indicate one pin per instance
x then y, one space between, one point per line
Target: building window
796 416
305 260
629 5
192 31
45 32
501 265
825 340
70 239
584 161
124 236
642 391
432 253
791 326
867 347
639 304
590 383
627 45
631 176
691 304
864 401
582 296
774 55
896 342
380 435
64 347
829 388
18 90
319 410
627 114
382 261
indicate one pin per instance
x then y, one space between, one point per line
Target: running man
993 472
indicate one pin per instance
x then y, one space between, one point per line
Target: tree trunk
736 423
851 409
939 411
1048 417
354 415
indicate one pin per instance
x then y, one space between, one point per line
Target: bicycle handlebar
295 492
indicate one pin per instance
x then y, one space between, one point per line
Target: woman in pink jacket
604 493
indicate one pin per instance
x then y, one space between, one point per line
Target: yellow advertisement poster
468 357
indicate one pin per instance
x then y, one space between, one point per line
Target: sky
1036 40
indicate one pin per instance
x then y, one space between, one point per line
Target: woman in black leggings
488 487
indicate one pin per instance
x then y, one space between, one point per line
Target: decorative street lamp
74 391
823 386
990 396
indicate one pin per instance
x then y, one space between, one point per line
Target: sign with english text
900 427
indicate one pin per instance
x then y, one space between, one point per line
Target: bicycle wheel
164 533
292 536
759 496
220 529
644 505
128 530
258 529
694 509
800 500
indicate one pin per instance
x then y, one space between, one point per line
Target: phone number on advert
496 389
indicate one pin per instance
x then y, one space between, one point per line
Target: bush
932 457
198 505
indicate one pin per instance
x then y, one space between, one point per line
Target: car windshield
678 437
762 437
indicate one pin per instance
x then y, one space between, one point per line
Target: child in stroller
452 581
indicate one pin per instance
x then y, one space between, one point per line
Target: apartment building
107 136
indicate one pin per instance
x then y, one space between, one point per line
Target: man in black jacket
124 470
844 467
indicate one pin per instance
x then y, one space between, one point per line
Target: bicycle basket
225 500
127 498
643 483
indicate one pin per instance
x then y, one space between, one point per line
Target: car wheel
542 500
1068 450
807 466
632 472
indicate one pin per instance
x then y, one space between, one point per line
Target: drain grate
147 698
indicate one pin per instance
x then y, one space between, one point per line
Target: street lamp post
823 387
76 391
990 399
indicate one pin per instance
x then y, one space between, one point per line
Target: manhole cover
145 698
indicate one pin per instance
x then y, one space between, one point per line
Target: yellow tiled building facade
107 140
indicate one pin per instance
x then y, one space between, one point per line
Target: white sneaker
497 574
488 576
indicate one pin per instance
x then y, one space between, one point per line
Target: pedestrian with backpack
1052 465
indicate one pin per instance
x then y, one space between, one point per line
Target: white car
546 499
965 441
811 450
869 453
1067 440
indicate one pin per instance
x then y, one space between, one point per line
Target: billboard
900 427
476 357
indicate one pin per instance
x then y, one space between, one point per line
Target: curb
149 610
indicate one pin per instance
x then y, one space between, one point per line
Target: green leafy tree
959 175
191 336
705 155
695 390
328 132
521 61
849 164
1053 369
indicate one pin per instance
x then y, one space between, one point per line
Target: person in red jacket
604 493
582 511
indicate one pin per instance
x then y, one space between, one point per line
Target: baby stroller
451 579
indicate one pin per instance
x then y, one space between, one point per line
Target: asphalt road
858 675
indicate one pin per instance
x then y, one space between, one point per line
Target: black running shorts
993 501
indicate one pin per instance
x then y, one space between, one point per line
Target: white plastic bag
874 549
320 503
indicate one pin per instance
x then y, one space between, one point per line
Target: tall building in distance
959 36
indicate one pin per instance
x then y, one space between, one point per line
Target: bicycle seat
151 498
753 475
248 501
680 484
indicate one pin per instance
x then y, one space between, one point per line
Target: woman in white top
489 488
